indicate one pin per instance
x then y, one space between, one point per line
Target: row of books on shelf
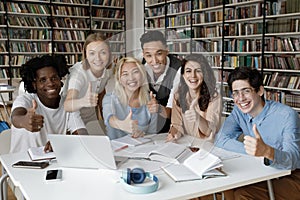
228 106
179 47
290 99
58 9
30 46
30 21
4 73
156 23
27 8
117 3
70 23
117 47
70 1
69 35
282 25
4 60
282 62
115 25
33 34
18 60
68 47
242 45
109 13
179 20
72 59
282 44
178 34
282 7
248 61
178 7
69 10
282 81
237 29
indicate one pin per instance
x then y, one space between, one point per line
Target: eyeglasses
244 92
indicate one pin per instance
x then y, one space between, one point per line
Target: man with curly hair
40 110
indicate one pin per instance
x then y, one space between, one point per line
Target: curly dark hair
28 70
208 87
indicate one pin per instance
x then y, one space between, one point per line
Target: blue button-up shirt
279 127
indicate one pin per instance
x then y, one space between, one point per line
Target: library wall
262 34
30 28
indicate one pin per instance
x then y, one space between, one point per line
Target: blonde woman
89 78
125 110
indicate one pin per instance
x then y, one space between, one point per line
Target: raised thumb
129 116
255 131
193 104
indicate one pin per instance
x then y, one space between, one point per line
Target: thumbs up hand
152 105
91 98
129 125
33 122
191 114
255 145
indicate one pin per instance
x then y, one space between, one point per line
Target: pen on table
121 148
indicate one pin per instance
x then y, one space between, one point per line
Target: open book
201 164
130 141
38 153
167 152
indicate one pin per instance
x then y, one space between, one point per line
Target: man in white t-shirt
40 111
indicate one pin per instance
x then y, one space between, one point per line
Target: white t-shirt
56 121
79 80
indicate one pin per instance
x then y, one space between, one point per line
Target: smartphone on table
53 175
31 164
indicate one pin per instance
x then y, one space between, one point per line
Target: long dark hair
207 88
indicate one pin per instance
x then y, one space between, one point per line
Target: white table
90 184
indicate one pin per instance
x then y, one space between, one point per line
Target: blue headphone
138 175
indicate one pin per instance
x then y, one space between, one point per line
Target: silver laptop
83 151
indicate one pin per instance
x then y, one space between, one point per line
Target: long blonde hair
94 37
143 94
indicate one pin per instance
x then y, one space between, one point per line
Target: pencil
121 148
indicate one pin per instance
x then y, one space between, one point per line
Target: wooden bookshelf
260 34
30 28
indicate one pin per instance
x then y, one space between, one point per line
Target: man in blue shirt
271 130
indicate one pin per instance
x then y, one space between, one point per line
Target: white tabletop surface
93 184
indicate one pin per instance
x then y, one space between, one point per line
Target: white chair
96 128
4 149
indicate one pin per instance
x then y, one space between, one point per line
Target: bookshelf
262 34
30 28
108 17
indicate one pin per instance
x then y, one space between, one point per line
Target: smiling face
98 55
193 75
155 54
246 98
130 77
47 85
